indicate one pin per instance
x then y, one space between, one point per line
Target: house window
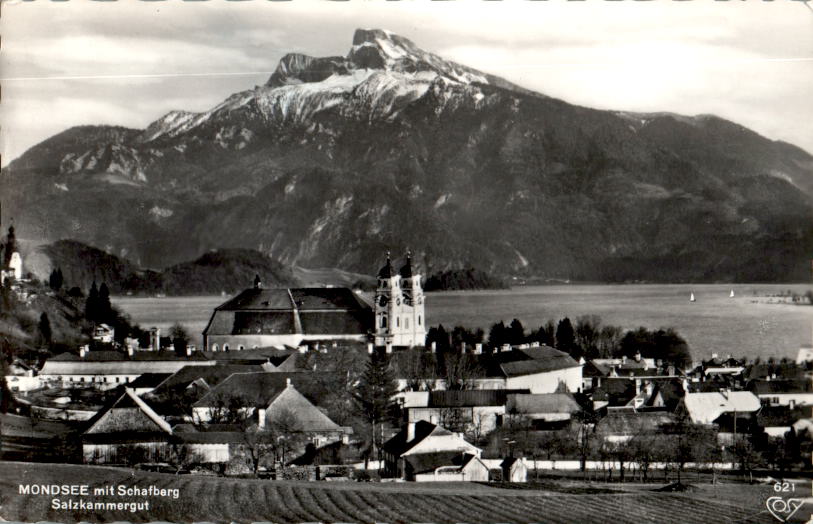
117 380
406 322
214 347
397 321
241 347
225 347
383 322
81 379
419 320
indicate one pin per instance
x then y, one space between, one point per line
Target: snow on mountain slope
381 74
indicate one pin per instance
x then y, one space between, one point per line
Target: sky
130 62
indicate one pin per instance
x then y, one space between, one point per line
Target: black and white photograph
371 262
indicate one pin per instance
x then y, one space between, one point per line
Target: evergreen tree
92 304
11 246
497 335
55 280
105 308
516 332
45 329
565 337
374 395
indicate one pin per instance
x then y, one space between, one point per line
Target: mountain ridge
397 148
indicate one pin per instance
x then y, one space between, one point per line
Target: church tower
399 306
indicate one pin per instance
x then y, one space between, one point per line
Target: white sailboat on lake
731 295
691 297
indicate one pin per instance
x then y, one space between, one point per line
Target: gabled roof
259 389
471 397
531 360
152 380
449 460
398 445
542 403
211 375
778 386
631 423
705 408
116 356
128 401
308 416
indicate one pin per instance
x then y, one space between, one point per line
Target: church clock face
397 301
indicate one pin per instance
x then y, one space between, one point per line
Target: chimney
130 351
258 284
478 349
637 356
288 383
261 418
82 351
462 348
188 350
433 347
389 347
410 432
370 348
623 359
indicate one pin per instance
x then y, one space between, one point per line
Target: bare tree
459 371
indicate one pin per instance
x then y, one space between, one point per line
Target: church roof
311 311
288 299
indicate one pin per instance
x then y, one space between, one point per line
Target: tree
105 309
497 335
546 334
92 303
459 371
180 337
516 333
55 280
566 338
45 329
374 395
609 340
587 331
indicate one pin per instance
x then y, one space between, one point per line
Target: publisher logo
783 509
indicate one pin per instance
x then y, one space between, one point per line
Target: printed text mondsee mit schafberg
109 490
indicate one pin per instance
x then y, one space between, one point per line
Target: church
291 317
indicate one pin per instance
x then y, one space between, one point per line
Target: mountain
228 270
335 160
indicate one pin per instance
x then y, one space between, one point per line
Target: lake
753 323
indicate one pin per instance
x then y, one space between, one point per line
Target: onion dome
406 270
386 271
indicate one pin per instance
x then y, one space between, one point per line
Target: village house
481 408
439 444
266 396
445 466
621 426
544 411
707 408
108 369
533 367
104 334
128 431
784 392
514 470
